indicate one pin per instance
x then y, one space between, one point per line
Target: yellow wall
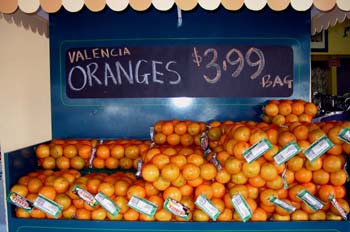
25 117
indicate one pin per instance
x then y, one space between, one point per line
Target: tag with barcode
48 206
287 152
204 140
143 206
177 208
337 206
85 195
107 203
19 201
257 150
284 179
207 206
318 148
344 135
310 200
282 204
241 207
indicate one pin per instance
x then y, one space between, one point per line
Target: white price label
207 206
286 153
107 204
242 207
310 200
143 206
257 150
48 206
318 148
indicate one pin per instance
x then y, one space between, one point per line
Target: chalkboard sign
179 71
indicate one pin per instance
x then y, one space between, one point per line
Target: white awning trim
323 20
51 6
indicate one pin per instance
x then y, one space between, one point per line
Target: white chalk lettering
155 72
167 67
82 71
145 75
91 73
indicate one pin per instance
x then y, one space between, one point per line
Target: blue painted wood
132 117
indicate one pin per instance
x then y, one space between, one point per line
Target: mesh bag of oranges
280 112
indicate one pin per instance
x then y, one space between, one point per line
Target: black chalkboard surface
179 71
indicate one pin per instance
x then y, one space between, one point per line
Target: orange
150 172
256 136
303 175
295 163
319 215
98 163
332 163
293 191
173 139
186 140
150 189
61 184
63 162
117 151
222 176
122 203
190 171
99 214
286 137
77 163
208 171
170 172
48 163
163 215
161 183
160 160
21 213
268 171
271 109
337 149
92 185
200 216
179 160
84 151
159 138
63 200
131 215
239 148
265 196
186 190
214 133
111 163
180 128
125 163
132 151
242 133
346 148
56 150
315 134
173 193
279 119
205 189
310 109
24 180
48 191
272 135
83 214
194 128
301 132
275 184
42 151
106 188
70 151
218 189
311 187
257 181
314 165
299 215
34 185
251 169
179 181
169 151
158 126
20 189
338 177
167 128
298 108
195 159
333 135
340 191
239 178
136 190
196 182
320 177
259 215
325 191
239 188
37 213
157 200
284 108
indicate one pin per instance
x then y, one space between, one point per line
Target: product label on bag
85 195
204 140
241 207
257 150
19 201
284 179
143 206
282 204
177 208
207 206
92 156
216 162
336 205
318 148
139 168
310 200
287 152
48 206
344 135
107 204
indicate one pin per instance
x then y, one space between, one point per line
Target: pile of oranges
177 132
280 112
181 169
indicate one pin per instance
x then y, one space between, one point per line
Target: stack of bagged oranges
65 154
177 132
183 172
280 112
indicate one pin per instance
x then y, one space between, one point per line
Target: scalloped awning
51 6
323 20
